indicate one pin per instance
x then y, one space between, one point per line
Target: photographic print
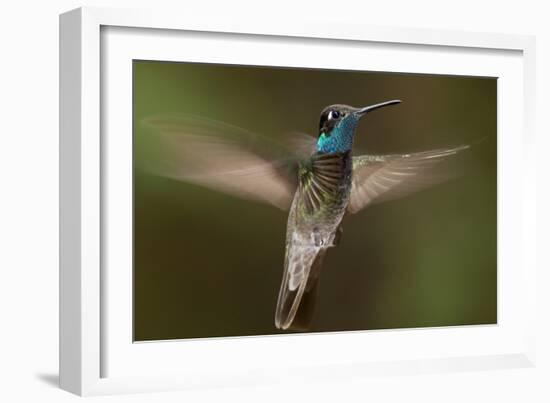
274 200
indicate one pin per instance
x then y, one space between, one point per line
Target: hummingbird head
338 123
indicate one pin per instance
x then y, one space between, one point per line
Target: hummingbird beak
363 111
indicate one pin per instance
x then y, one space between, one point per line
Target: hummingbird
317 179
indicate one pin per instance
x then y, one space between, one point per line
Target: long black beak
366 109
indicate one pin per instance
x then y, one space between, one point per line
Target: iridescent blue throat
340 139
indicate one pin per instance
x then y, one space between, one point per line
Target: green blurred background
207 264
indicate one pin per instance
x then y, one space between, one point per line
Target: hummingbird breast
321 199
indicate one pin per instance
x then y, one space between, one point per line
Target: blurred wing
388 177
221 157
298 290
302 144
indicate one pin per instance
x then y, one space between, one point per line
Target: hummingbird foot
318 239
322 240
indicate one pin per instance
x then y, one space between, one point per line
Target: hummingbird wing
219 156
379 178
302 144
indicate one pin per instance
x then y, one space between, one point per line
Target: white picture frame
86 346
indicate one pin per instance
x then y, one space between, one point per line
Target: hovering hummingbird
316 179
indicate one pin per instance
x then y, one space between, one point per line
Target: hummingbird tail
296 304
306 309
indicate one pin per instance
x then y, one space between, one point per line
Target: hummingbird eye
333 115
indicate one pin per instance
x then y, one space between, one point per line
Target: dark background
207 264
